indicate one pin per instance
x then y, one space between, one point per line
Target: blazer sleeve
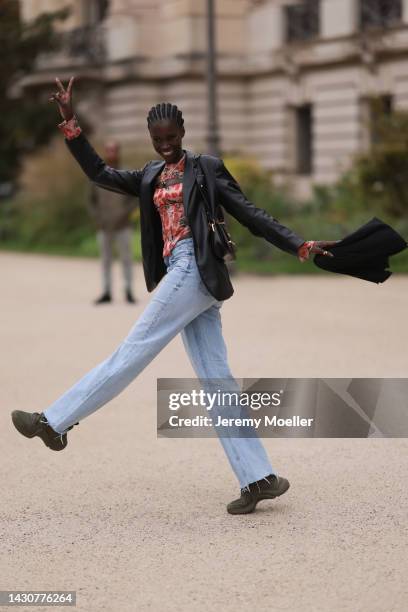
257 220
120 181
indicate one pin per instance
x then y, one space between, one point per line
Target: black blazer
221 187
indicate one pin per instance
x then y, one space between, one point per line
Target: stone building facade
295 78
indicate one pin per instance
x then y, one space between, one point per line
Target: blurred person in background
111 213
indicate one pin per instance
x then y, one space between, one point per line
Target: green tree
382 173
26 121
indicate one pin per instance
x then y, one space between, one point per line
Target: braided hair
165 111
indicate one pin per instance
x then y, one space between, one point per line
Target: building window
302 20
304 139
380 109
380 13
94 11
88 41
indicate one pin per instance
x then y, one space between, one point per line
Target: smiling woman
190 284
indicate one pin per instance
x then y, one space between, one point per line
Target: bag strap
197 164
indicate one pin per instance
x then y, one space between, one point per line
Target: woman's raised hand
315 246
63 97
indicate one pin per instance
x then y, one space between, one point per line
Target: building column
339 18
122 37
266 27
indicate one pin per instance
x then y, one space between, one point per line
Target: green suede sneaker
32 424
268 488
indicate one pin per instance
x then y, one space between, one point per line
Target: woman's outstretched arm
120 181
259 222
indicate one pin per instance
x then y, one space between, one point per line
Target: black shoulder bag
220 239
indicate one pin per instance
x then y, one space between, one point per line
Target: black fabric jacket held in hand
220 185
365 252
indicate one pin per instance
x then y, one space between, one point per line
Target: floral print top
168 199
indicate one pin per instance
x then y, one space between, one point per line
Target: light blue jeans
180 304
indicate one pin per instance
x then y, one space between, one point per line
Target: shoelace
248 490
59 435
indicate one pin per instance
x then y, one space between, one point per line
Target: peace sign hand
315 246
64 99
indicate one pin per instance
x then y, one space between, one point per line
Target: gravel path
132 522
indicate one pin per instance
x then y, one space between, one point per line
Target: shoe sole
15 417
246 510
251 508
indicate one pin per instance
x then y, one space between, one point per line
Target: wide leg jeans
179 304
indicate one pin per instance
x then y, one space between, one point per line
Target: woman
191 285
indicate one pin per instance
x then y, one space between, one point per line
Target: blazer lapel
150 176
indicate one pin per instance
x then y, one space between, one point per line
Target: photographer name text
273 421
